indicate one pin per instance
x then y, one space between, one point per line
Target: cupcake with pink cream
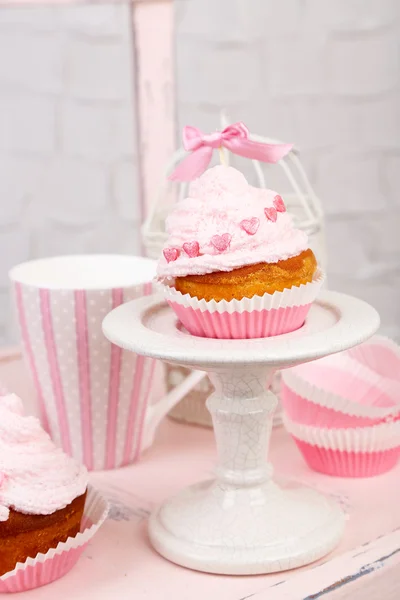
44 498
234 264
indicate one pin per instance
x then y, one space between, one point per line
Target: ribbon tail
193 165
269 153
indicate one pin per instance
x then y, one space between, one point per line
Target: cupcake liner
352 452
339 392
45 568
381 355
260 316
348 464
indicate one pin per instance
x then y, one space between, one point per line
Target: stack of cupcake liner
45 568
380 354
343 411
260 316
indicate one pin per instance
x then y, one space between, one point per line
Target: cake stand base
218 529
242 522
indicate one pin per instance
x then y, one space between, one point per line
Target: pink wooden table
120 564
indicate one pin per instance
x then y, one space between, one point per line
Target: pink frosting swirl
219 202
36 477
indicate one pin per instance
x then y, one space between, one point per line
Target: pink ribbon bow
234 137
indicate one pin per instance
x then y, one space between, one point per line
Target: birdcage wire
300 199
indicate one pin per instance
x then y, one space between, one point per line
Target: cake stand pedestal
242 522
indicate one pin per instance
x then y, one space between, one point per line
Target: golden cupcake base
251 280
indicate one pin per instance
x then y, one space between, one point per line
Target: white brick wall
324 74
321 73
27 121
68 179
364 66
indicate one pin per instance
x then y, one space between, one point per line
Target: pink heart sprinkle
271 214
192 249
221 242
2 478
279 204
171 254
250 226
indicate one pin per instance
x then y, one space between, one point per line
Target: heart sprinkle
192 249
279 204
250 226
171 254
221 242
271 214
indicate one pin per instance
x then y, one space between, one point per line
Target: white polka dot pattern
94 394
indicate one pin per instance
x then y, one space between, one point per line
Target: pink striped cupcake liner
356 452
260 316
339 392
45 568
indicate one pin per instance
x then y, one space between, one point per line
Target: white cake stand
241 522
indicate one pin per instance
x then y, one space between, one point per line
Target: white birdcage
300 200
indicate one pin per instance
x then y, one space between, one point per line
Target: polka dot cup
94 398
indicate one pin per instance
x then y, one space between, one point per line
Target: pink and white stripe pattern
92 395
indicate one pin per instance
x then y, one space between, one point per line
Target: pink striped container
350 452
93 397
45 568
339 392
257 317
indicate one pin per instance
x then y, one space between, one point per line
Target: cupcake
234 264
42 490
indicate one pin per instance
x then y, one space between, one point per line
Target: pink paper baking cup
256 324
45 568
348 464
260 316
304 411
338 392
379 354
357 452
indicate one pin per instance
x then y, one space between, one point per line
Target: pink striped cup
94 398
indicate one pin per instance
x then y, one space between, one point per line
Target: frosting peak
218 180
224 224
36 477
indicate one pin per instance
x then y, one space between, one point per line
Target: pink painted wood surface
121 564
153 36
